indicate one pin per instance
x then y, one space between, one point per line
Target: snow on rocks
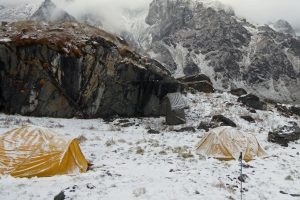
130 163
5 40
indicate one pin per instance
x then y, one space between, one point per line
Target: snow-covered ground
130 163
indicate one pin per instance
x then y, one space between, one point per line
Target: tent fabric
36 152
176 101
226 143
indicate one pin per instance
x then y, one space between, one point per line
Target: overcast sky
259 11
264 11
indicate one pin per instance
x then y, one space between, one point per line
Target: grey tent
175 109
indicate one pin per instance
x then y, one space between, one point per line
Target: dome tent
36 152
226 143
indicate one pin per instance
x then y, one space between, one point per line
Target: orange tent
226 143
36 152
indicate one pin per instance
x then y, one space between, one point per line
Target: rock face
192 37
70 69
49 11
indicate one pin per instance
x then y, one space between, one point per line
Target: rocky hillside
70 69
191 37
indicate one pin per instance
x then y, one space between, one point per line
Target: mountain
49 11
191 37
283 26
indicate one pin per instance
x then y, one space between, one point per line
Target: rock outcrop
70 69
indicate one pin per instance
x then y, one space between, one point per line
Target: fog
258 11
266 11
110 12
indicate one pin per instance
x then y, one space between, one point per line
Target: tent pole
241 175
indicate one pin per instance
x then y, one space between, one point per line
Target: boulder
222 121
285 134
152 131
206 126
295 110
194 78
186 129
199 82
238 92
77 70
248 118
60 196
253 101
201 86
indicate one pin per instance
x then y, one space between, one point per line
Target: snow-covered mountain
47 10
20 12
191 37
283 26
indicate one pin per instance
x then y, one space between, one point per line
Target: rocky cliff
191 37
69 69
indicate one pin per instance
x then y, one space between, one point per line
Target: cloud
266 11
111 12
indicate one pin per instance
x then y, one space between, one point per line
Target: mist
111 11
266 11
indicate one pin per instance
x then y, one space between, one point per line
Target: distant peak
47 3
49 11
284 26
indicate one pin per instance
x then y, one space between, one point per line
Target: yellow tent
31 151
226 143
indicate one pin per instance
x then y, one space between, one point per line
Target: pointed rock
48 11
